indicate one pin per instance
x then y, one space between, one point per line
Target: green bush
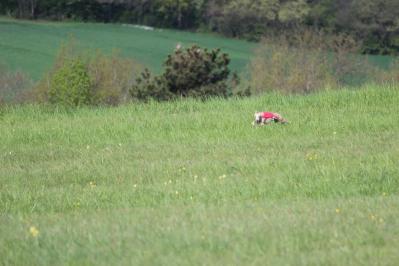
192 72
70 85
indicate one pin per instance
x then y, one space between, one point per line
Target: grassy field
31 46
192 183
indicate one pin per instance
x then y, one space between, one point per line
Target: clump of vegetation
191 72
150 87
12 85
111 77
87 78
306 61
70 85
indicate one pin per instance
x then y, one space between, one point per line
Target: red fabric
268 115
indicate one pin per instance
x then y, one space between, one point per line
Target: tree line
374 23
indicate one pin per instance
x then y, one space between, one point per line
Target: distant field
192 183
31 46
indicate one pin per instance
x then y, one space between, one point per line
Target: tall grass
191 182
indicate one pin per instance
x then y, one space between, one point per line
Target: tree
180 14
192 72
373 22
26 8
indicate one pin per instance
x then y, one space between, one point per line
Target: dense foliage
375 23
191 72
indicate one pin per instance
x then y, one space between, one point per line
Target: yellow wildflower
33 231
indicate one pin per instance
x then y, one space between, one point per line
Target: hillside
192 183
31 46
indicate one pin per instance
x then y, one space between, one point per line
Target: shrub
148 87
70 85
111 77
192 72
307 61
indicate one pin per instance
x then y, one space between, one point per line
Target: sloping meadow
191 182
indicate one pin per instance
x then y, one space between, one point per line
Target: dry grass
306 61
111 75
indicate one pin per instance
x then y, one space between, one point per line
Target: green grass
31 46
192 183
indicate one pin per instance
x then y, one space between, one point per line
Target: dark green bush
148 87
192 72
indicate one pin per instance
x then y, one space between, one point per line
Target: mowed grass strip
192 182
